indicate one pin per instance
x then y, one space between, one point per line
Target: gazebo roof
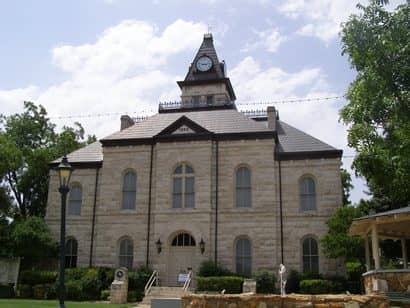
390 224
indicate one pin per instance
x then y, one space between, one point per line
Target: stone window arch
307 193
126 252
243 187
183 239
183 187
310 254
71 252
243 256
75 200
129 190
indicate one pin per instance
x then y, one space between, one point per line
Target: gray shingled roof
216 121
90 153
403 210
292 140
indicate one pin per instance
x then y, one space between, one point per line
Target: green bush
132 296
293 281
24 291
105 276
39 291
105 294
6 291
231 284
354 270
265 282
37 277
74 292
211 269
316 286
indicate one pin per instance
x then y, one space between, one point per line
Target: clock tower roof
213 70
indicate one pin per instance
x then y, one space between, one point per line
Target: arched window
243 257
183 239
183 193
129 190
75 199
126 253
243 187
310 255
307 192
71 247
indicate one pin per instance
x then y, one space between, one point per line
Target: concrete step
164 292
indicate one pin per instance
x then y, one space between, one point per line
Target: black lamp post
64 170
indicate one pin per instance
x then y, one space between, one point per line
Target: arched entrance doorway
182 256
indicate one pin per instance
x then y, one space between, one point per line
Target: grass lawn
32 303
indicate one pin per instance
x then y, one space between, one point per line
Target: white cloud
123 70
270 40
322 18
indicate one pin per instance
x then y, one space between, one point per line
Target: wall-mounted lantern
202 246
159 246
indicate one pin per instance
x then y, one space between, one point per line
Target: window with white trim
129 191
126 253
75 200
183 188
243 257
307 193
243 187
310 255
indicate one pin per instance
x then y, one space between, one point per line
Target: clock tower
206 84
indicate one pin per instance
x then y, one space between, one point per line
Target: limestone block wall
297 223
78 227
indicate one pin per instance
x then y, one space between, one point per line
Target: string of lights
146 112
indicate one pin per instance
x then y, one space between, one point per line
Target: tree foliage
377 43
28 143
347 186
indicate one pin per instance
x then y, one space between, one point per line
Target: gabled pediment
183 126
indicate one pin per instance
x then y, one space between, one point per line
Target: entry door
182 257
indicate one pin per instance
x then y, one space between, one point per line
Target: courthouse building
200 181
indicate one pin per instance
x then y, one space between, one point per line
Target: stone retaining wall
397 280
276 301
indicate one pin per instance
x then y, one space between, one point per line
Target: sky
90 61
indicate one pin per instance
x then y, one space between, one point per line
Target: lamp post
64 170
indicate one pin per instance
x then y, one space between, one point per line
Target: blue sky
122 56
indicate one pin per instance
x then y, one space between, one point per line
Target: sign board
182 277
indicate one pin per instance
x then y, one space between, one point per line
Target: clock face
204 64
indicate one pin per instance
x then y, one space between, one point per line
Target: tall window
243 257
71 247
75 200
183 239
126 255
243 187
307 192
310 255
129 191
183 194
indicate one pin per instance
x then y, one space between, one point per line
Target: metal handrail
187 282
151 280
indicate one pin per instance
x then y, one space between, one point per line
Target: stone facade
215 141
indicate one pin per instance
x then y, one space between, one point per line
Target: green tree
377 43
28 143
346 185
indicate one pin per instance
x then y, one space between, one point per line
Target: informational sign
183 277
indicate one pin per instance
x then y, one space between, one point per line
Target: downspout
216 199
97 173
281 211
149 201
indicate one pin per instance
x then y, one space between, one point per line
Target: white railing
153 279
187 282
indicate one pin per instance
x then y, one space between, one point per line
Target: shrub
315 286
105 276
6 290
105 294
73 291
211 269
231 284
292 282
24 290
37 277
39 291
354 270
132 296
265 282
